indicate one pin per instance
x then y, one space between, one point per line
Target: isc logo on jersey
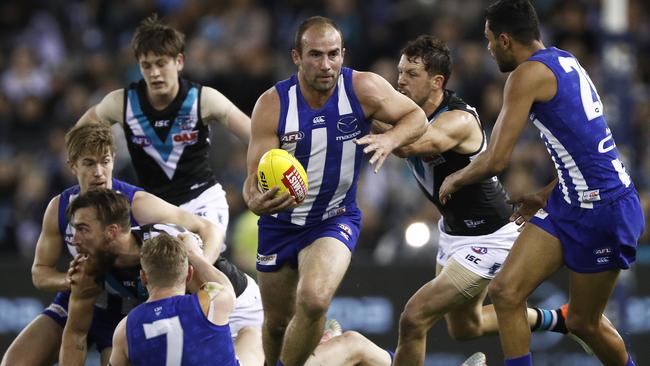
279 168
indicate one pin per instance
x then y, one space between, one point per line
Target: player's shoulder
532 70
52 210
268 102
369 87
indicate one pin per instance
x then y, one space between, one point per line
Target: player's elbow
37 277
498 166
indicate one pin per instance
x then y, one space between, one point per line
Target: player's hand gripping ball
279 168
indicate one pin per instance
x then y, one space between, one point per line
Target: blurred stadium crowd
58 58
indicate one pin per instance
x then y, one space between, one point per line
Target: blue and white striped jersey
322 140
175 331
575 132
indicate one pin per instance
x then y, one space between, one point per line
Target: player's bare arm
264 123
149 209
529 204
83 294
45 276
530 82
454 130
216 107
382 102
120 349
216 288
110 109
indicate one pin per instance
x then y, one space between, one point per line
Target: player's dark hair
152 35
164 260
514 17
95 139
310 22
434 53
112 207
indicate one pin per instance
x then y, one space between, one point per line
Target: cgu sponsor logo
143 141
188 138
292 137
294 183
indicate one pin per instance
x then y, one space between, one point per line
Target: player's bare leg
322 266
37 344
278 290
534 257
588 296
428 305
247 347
348 349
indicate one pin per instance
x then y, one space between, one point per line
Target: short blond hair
164 260
94 138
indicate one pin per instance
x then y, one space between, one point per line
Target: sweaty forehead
321 37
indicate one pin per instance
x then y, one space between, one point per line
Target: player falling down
352 348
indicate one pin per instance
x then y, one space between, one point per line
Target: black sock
551 320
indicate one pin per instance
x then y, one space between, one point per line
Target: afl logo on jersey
292 137
143 141
480 250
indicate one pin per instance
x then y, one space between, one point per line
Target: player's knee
313 305
467 332
503 295
582 326
351 337
275 326
410 321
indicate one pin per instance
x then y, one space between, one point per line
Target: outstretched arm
452 130
381 101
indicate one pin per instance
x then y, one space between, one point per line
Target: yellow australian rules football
279 168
